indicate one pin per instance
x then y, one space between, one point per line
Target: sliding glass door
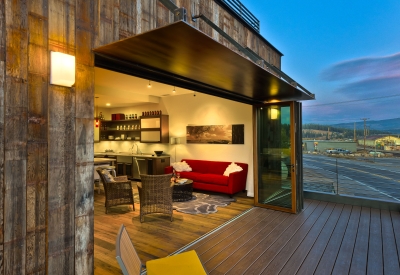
276 171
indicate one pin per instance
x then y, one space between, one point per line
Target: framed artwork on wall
215 134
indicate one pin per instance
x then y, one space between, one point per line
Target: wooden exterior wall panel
14 216
84 139
36 197
62 26
127 18
206 9
84 244
105 34
36 176
163 15
15 114
2 88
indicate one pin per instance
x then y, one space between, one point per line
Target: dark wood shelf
115 130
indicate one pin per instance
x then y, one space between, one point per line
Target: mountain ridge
388 125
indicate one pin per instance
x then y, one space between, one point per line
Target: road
376 179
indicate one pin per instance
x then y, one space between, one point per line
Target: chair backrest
154 185
127 257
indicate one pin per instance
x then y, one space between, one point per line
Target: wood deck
325 238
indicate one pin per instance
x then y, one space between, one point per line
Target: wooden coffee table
183 191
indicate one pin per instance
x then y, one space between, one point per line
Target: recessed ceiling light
108 104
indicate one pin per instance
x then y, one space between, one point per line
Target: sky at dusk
345 52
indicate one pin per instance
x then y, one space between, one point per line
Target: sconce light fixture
173 90
149 86
274 113
62 69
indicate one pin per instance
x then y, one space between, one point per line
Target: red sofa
209 176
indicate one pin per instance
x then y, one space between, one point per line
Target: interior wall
202 109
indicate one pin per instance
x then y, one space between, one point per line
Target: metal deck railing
240 10
359 177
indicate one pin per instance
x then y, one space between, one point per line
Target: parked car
343 151
332 151
376 153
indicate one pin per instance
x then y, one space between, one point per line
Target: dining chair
155 195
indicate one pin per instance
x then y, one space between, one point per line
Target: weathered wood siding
46 131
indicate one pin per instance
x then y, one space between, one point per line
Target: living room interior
132 95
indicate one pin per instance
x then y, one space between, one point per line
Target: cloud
364 68
371 87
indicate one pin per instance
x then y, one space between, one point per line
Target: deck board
375 261
226 247
325 264
360 254
263 253
343 258
395 215
390 257
302 239
325 238
308 254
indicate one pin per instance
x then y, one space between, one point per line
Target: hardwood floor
325 238
157 236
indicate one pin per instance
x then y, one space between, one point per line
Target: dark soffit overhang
179 54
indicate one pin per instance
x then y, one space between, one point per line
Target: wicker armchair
155 194
118 190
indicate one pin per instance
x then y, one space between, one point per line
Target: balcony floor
325 238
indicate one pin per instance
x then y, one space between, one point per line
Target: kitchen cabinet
130 165
119 130
154 129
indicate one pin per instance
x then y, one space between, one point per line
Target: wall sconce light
97 123
274 113
149 86
62 69
173 90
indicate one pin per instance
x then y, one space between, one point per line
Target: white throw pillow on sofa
233 167
181 166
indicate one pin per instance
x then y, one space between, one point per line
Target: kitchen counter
133 164
115 154
104 160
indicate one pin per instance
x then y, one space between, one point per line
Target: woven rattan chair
155 194
118 190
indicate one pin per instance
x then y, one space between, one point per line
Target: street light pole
365 119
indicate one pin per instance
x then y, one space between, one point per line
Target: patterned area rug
203 203
200 203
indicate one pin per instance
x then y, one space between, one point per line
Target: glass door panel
276 179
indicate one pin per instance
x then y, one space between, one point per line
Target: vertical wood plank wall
46 131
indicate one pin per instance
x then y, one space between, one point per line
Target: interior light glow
62 69
108 104
274 113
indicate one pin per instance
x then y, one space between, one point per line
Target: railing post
337 178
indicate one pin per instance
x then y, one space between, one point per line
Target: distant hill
388 125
